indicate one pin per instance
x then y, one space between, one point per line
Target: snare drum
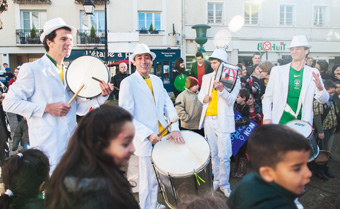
182 168
306 130
81 71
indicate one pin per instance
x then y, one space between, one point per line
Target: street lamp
89 9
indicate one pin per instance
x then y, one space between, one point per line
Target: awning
118 62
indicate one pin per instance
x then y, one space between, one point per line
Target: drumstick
174 120
209 86
74 96
96 79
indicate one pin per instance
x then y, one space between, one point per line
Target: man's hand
317 81
267 121
3 95
176 135
219 86
206 99
106 88
321 136
154 138
57 109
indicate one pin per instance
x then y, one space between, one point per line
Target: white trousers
148 185
220 145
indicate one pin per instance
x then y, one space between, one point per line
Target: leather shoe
328 173
321 175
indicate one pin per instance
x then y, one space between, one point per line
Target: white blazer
225 103
39 84
275 97
135 96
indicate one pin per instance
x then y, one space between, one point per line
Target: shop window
149 22
319 16
215 13
251 14
286 14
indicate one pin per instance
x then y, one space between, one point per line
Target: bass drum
182 168
306 130
81 71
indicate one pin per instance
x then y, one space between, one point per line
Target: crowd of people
78 165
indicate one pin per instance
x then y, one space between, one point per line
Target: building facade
241 27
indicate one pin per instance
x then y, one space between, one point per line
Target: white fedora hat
221 55
142 49
54 24
299 40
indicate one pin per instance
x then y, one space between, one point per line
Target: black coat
116 80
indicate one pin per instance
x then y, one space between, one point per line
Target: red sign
266 45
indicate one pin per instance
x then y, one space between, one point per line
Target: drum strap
290 110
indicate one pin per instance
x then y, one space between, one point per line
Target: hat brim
50 30
132 56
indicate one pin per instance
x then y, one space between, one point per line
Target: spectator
309 61
256 59
322 66
21 135
200 68
190 109
179 76
117 79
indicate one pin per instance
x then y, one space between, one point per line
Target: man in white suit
144 96
291 88
218 120
40 94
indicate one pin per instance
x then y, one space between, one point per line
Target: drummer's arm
16 98
230 97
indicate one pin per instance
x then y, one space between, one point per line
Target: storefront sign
270 46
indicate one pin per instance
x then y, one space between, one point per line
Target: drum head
227 74
81 71
181 159
301 127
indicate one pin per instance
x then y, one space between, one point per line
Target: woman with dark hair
255 82
88 175
335 74
179 75
24 176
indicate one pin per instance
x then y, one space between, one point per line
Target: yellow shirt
160 127
212 107
60 72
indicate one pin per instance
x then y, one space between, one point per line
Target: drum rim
188 174
303 122
108 73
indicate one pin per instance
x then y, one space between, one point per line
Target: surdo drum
81 71
306 130
182 168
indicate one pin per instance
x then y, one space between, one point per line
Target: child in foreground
88 175
279 157
25 175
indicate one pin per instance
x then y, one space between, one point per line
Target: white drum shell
81 71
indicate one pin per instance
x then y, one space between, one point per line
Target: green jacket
255 193
207 68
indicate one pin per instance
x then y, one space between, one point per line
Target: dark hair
253 69
268 144
329 84
333 69
51 37
241 65
24 175
337 82
323 65
85 158
309 58
199 54
266 66
256 53
207 200
244 93
178 61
